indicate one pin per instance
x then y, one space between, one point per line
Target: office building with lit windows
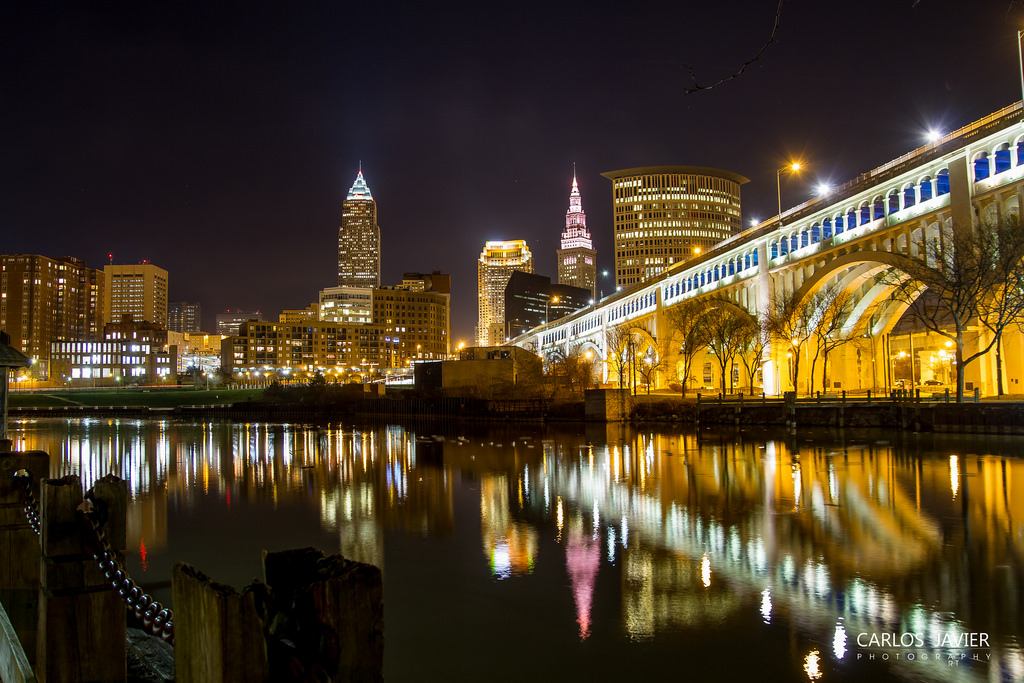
359 238
666 214
132 352
532 300
577 259
184 316
495 266
138 290
230 321
365 330
416 316
43 299
417 313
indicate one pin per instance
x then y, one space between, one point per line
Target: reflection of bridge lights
501 560
812 665
559 515
611 544
766 606
954 474
839 641
597 522
705 571
796 486
625 532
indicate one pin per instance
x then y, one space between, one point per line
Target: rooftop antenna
111 257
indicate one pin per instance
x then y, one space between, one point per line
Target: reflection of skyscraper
497 262
510 547
577 260
582 560
359 238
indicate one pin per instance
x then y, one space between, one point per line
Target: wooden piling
218 632
19 547
81 618
338 603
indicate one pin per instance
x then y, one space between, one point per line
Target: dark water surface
575 553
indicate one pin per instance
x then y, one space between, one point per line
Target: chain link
23 480
153 615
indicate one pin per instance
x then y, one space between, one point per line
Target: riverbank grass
151 398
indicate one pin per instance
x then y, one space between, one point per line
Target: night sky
218 140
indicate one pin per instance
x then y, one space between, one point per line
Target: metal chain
153 615
23 480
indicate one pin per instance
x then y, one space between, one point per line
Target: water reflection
836 539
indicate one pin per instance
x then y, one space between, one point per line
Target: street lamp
547 308
1020 60
790 168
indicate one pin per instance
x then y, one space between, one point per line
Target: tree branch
771 39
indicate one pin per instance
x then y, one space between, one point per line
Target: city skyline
221 145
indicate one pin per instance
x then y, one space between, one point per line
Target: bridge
973 176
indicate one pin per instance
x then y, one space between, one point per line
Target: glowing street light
932 135
790 168
547 308
823 189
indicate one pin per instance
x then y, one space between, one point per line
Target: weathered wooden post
10 357
218 632
333 607
316 618
19 546
81 618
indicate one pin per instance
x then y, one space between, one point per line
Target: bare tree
753 340
571 369
967 275
791 323
649 365
684 322
725 330
622 345
830 309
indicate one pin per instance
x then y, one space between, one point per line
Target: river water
602 553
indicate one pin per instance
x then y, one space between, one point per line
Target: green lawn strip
156 398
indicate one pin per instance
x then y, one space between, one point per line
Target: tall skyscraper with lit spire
359 238
577 259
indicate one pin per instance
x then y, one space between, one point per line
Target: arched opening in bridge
894 202
981 167
1003 161
909 195
926 188
878 208
942 182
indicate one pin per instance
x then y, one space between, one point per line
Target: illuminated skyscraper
667 214
497 262
577 260
359 238
138 290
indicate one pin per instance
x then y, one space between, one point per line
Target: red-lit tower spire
577 259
